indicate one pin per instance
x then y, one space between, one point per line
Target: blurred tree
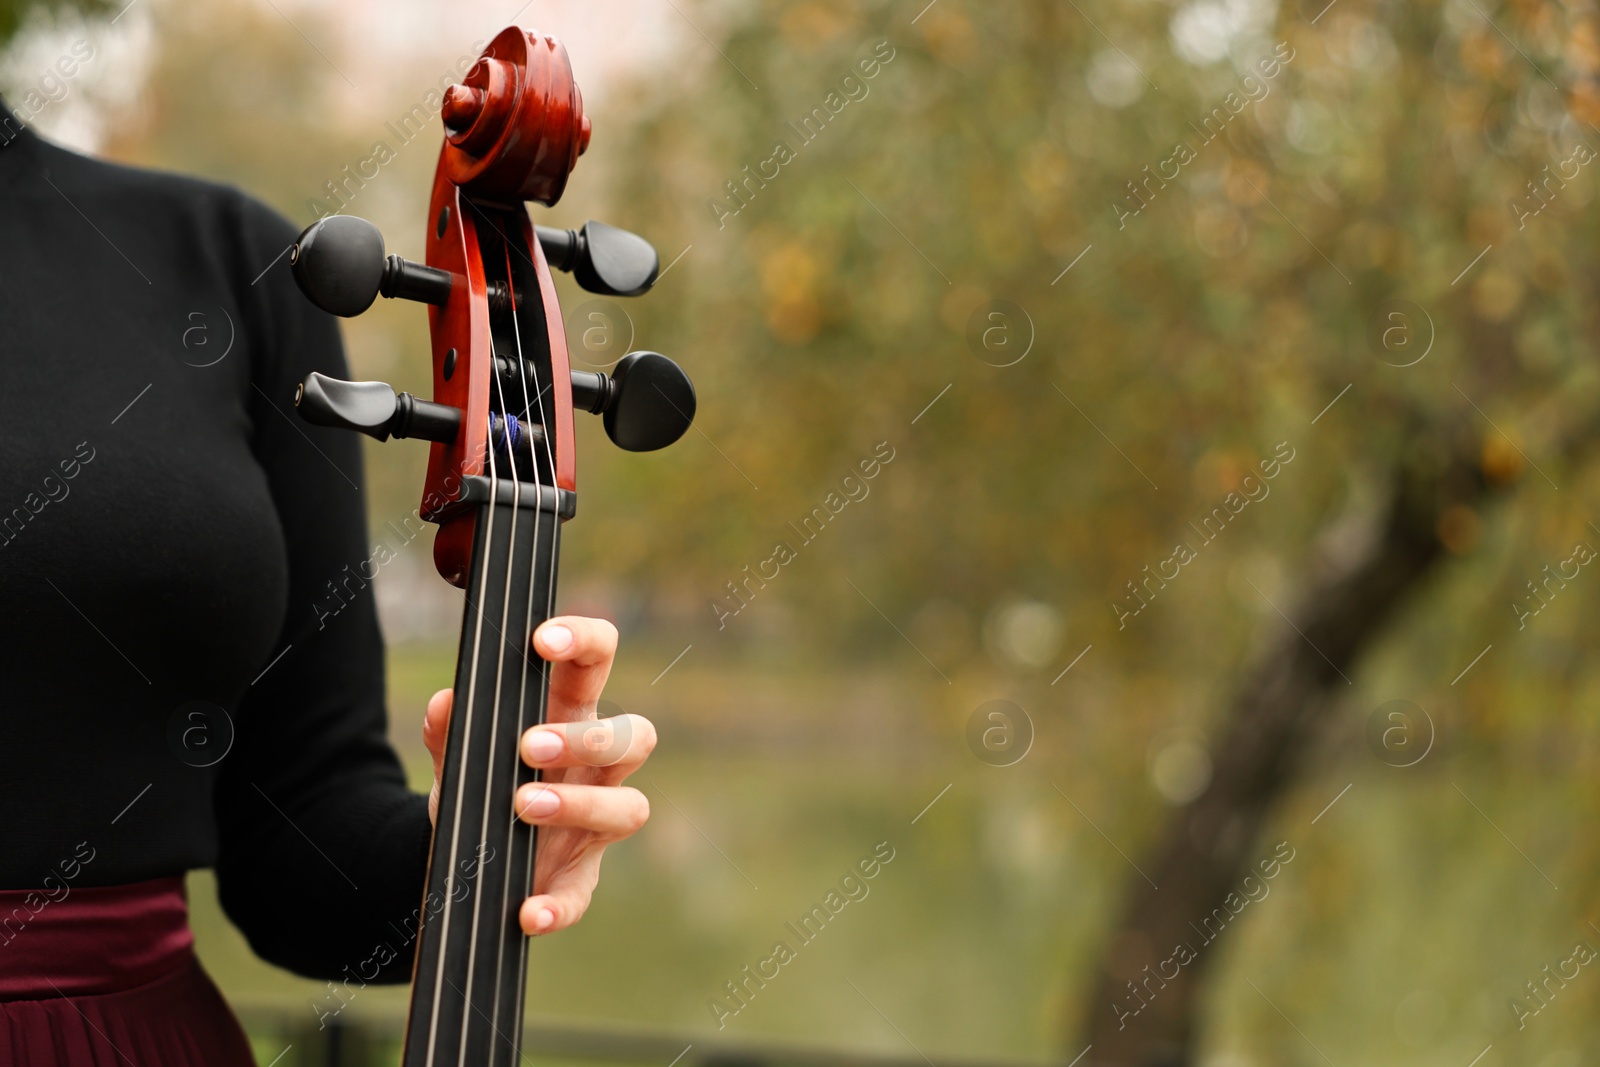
1205 272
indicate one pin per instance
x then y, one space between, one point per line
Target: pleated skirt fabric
107 977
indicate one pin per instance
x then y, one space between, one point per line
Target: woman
180 694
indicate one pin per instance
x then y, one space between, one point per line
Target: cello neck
468 992
469 980
501 479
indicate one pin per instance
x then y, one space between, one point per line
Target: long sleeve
322 847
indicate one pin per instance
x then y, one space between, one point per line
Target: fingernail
557 638
544 919
538 802
541 746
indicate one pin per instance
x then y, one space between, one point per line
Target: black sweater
167 524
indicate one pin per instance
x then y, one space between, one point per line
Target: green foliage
14 14
1195 335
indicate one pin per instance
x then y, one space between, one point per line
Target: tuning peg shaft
339 264
602 259
375 409
646 402
592 391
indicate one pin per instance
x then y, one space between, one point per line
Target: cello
501 481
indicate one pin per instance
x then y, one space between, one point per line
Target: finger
582 650
613 810
565 899
435 729
436 726
620 743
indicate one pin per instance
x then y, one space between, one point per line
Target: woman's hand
581 805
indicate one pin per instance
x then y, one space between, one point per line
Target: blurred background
1225 372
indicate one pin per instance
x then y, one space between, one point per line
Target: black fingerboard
471 965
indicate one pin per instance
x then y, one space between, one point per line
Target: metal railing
371 1042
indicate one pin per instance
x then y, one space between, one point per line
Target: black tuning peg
375 409
646 403
339 264
602 259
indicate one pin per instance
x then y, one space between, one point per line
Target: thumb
435 729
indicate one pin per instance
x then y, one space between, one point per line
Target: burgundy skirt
107 977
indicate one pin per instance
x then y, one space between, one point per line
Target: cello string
444 917
523 368
496 713
555 541
526 370
556 530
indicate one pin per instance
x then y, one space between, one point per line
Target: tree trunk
1138 1017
